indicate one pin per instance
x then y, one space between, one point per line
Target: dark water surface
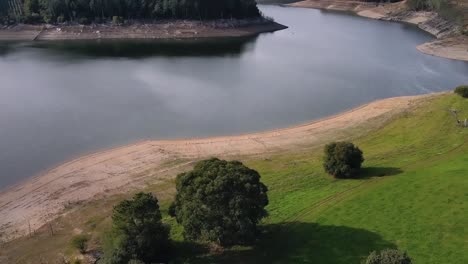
59 100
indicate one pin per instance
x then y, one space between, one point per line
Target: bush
135 261
80 242
83 21
388 256
60 19
220 202
462 91
117 20
342 159
429 5
137 232
33 19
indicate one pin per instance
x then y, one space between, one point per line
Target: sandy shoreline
42 198
172 29
449 44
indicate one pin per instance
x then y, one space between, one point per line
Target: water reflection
135 49
5 48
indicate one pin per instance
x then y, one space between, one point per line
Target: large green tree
137 232
220 201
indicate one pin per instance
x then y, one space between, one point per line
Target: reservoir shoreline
449 42
166 29
35 201
32 203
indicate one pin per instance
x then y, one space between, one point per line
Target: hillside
412 196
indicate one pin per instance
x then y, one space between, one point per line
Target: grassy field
413 195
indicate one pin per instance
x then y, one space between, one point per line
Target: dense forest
84 11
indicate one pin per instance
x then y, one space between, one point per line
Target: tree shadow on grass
369 172
298 242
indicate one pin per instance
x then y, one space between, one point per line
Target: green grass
413 195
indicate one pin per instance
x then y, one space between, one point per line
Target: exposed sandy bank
449 44
44 197
160 30
453 48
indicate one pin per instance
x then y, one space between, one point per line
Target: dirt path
41 199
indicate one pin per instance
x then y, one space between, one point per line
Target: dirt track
42 198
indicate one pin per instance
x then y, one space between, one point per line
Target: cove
60 100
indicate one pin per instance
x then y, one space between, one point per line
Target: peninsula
152 19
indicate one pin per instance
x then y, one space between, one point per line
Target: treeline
425 5
83 11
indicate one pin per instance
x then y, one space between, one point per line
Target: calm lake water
59 100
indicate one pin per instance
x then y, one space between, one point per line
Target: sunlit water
59 100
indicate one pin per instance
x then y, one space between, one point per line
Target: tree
137 232
462 91
388 256
80 242
342 159
220 201
31 7
428 5
99 10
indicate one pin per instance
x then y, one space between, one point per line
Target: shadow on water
147 48
298 242
6 48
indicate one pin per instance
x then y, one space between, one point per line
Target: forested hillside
84 11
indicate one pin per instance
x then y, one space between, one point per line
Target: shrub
80 242
137 232
462 91
83 21
220 202
430 5
33 19
135 261
117 20
342 159
388 256
60 19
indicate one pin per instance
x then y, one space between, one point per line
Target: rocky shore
450 43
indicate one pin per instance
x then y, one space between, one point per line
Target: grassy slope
420 205
414 196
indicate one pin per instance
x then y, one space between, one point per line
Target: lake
61 100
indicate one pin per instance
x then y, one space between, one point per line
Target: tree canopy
220 201
462 90
342 159
101 10
137 232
